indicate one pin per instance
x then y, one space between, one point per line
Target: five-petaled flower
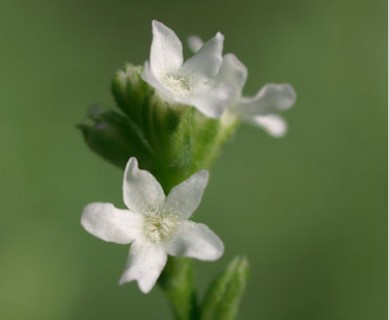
189 82
260 110
155 225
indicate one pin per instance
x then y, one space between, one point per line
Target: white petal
207 61
211 100
272 98
195 43
186 196
148 76
233 72
141 191
195 240
273 124
145 264
110 224
166 53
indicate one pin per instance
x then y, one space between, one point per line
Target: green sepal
223 297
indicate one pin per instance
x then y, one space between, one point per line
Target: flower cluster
173 145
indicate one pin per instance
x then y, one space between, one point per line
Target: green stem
178 284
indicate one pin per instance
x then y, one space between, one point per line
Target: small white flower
189 82
260 110
154 225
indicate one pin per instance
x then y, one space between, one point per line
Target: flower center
159 227
179 82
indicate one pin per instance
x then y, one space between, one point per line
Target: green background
308 210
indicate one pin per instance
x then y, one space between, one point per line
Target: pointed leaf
223 297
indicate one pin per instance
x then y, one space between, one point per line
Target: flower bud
130 91
114 137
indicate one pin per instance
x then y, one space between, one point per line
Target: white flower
260 110
154 225
190 82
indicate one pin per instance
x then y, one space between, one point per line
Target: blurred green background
308 210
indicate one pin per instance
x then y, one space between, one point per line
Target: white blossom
188 82
262 109
154 224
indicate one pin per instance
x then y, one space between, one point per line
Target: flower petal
195 240
145 264
195 43
233 72
211 100
166 53
273 124
272 98
186 196
207 61
108 223
148 76
141 191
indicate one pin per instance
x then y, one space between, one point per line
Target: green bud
114 137
130 91
222 299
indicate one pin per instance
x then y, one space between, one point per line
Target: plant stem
178 284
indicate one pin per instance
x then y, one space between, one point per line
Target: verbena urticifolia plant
172 118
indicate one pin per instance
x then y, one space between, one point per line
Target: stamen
160 227
179 82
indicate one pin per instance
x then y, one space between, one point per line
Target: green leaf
223 297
